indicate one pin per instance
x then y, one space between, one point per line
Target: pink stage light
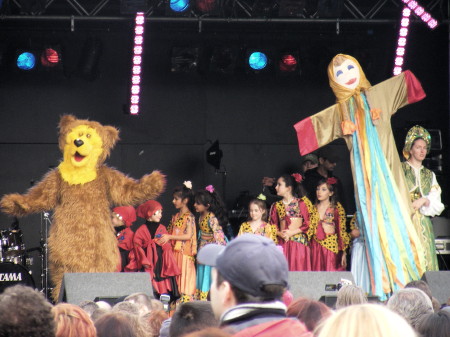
421 13
136 69
401 43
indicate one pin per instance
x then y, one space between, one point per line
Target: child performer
150 255
257 222
212 217
329 239
291 216
182 234
122 219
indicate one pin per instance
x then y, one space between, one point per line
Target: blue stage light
26 61
179 5
257 60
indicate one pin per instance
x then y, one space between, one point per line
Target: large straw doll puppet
362 116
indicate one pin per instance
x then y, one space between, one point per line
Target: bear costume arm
39 198
124 190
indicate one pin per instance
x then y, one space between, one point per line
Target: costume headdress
344 95
210 188
148 208
297 177
416 132
126 213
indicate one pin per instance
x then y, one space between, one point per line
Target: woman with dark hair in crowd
291 215
435 325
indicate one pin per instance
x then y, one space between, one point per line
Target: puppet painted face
347 74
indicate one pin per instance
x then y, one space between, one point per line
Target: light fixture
184 59
257 60
136 66
401 42
51 57
25 60
178 7
421 13
223 60
288 62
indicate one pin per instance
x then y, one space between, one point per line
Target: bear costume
81 192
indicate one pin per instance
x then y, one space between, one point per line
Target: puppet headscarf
148 208
344 95
414 133
126 213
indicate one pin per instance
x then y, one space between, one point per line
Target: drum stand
45 225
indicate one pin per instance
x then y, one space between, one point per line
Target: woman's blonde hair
368 320
72 321
349 295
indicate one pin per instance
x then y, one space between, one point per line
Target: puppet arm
124 190
318 130
39 198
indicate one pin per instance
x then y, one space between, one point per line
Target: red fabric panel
306 136
414 88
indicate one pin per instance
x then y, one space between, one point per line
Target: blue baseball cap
248 262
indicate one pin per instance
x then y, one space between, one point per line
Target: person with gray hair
142 300
412 304
350 294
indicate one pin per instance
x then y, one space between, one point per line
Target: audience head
412 304
261 277
309 312
89 307
435 324
290 184
192 316
117 324
368 320
128 307
153 321
350 294
422 285
25 312
98 313
72 321
142 300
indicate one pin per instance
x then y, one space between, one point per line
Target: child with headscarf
122 219
150 255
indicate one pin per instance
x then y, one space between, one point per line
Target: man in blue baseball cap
249 278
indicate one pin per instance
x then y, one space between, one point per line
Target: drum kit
14 260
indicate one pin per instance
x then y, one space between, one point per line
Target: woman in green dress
424 190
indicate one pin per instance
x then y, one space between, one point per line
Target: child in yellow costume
81 192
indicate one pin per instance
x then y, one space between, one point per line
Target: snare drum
12 274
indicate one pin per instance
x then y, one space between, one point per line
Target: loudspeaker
78 287
315 284
439 282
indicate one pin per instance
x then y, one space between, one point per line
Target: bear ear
65 121
111 136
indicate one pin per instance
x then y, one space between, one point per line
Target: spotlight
288 62
51 57
257 60
184 59
209 7
26 60
178 7
90 58
223 60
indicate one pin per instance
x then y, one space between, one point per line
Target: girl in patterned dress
182 235
257 222
291 216
212 218
329 239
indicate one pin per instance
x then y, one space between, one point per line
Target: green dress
422 183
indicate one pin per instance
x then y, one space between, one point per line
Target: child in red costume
150 255
122 219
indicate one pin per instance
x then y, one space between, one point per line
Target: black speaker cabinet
439 282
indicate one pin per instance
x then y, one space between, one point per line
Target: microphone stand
45 224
